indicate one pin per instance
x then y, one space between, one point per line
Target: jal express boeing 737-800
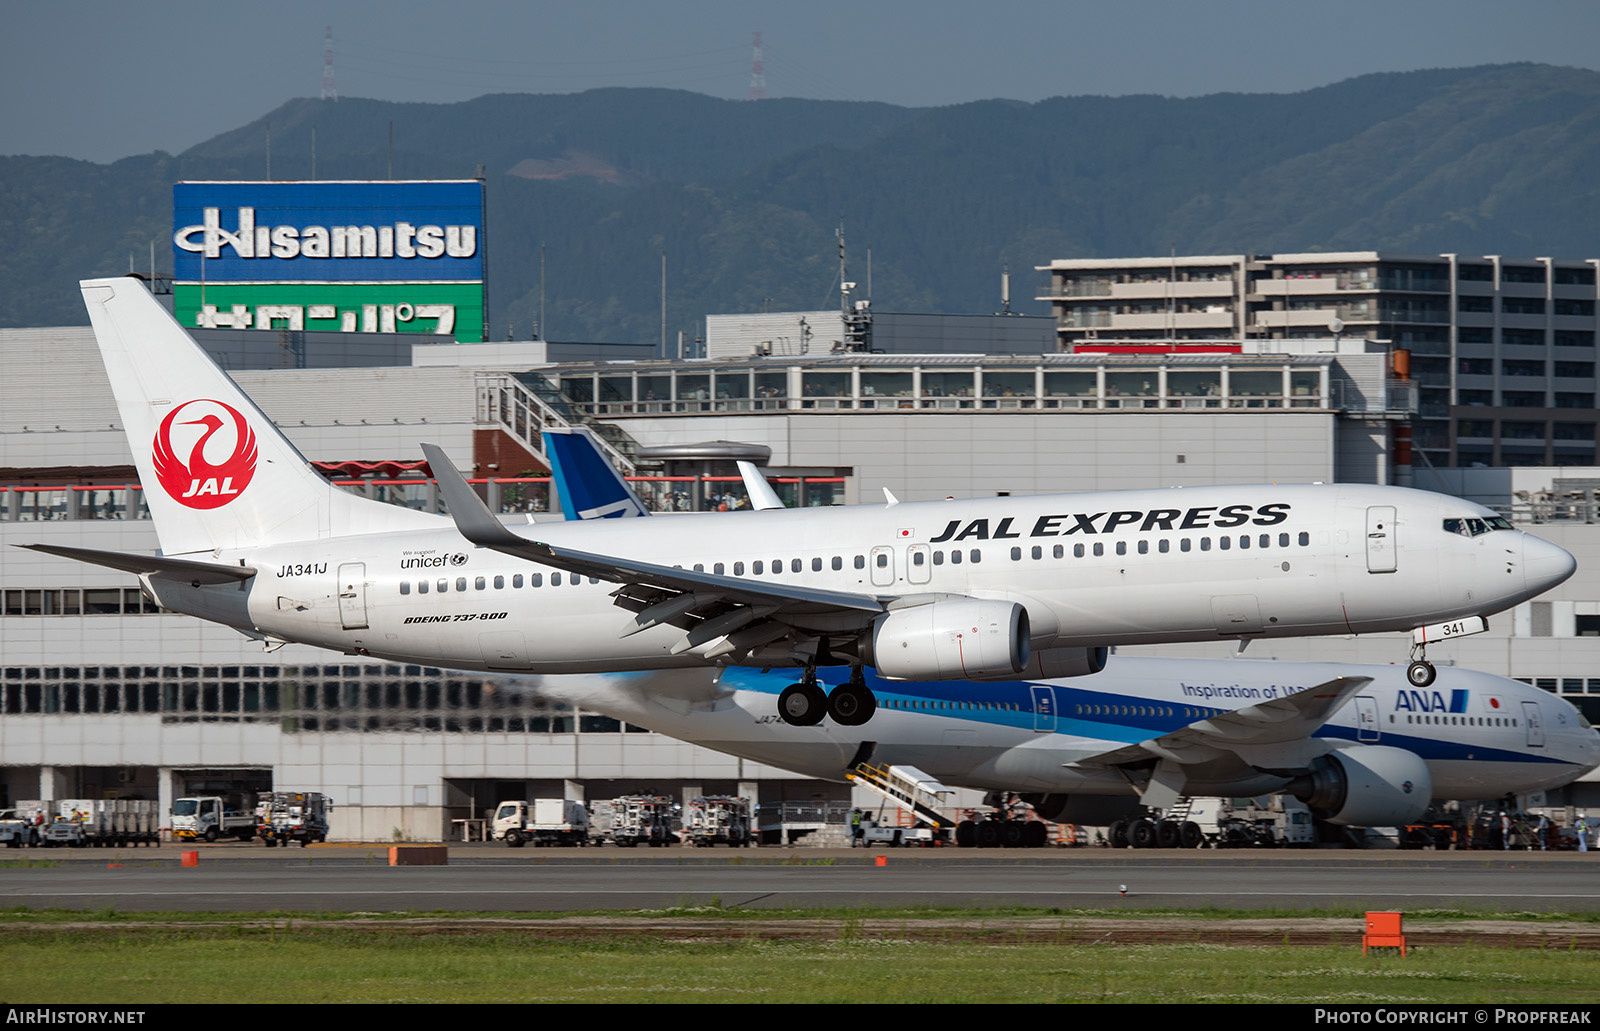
987 589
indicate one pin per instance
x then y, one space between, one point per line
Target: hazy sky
102 80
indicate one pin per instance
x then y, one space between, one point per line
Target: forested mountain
743 197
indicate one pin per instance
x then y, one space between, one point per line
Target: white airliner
987 589
1358 743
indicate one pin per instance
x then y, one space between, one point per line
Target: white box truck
543 821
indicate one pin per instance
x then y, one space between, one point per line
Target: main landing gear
849 705
1421 672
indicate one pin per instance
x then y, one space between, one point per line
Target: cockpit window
1474 527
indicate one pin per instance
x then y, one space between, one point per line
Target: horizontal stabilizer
178 568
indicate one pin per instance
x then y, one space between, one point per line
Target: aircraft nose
1544 564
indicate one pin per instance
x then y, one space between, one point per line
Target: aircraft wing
1256 732
749 613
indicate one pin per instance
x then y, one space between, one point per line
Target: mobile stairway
910 789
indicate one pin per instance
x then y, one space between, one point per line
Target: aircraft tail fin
216 472
589 485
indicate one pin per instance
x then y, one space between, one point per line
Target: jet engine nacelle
1366 786
1056 663
952 639
1090 810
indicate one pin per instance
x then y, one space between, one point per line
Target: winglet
473 518
762 496
889 500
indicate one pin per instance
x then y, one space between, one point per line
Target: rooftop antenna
329 90
857 317
758 78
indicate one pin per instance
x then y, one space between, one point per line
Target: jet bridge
907 787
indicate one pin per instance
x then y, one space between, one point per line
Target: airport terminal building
102 694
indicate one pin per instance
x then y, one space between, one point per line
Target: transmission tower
329 90
758 79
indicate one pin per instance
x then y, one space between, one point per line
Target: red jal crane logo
200 482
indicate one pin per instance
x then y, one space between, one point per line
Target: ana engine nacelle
1366 786
952 639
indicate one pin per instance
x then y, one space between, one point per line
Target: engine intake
954 639
1366 786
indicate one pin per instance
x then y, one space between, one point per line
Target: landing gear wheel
803 704
1191 835
988 834
1119 834
1142 834
1421 673
1168 834
850 705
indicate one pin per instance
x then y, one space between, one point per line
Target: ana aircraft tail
589 485
216 472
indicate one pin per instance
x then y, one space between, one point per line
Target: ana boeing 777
984 589
1358 743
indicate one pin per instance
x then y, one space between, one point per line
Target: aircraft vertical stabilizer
216 472
591 487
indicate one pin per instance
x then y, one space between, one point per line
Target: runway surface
241 878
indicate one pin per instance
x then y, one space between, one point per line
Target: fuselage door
1380 539
1530 716
1367 728
919 564
1044 708
353 595
882 560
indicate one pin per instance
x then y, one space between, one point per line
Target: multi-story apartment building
1502 349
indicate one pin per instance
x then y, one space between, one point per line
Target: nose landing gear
849 705
1420 673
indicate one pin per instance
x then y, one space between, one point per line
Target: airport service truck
208 817
286 816
543 821
95 823
15 830
642 819
717 820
